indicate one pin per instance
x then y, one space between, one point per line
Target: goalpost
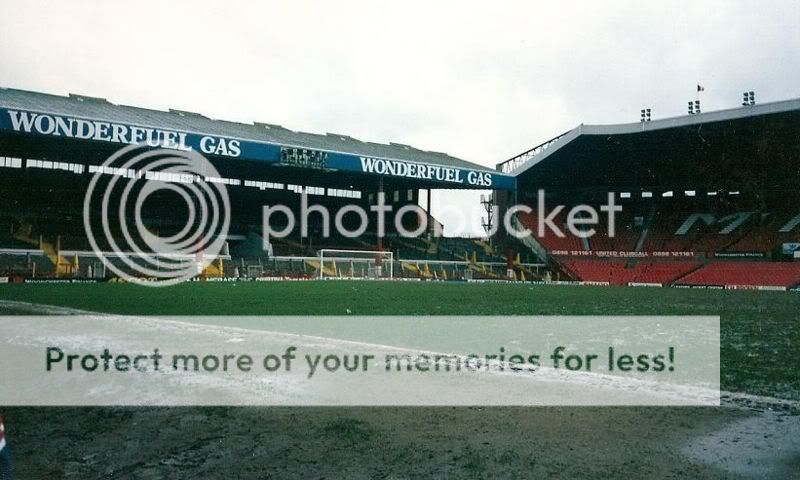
355 264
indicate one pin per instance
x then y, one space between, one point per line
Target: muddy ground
748 437
189 443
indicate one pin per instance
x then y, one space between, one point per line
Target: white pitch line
592 380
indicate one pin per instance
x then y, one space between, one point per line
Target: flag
701 88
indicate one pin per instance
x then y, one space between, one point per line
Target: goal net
355 264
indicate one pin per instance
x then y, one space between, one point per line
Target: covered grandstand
709 200
52 146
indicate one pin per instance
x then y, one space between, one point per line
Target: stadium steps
562 271
25 234
61 265
215 269
433 247
488 249
482 270
642 239
530 241
517 264
330 271
415 269
690 272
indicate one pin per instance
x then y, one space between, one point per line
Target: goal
355 264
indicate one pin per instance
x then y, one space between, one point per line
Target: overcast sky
481 82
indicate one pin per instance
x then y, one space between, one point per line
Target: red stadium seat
618 272
550 241
747 273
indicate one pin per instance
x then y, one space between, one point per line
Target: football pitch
754 435
759 330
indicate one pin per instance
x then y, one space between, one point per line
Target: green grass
760 330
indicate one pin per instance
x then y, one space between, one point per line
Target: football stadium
705 201
417 240
707 225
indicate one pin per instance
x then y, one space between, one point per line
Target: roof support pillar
380 193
